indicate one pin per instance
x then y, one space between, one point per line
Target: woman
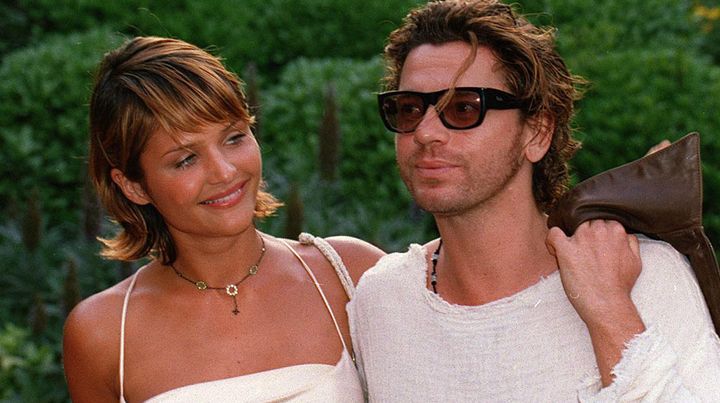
221 311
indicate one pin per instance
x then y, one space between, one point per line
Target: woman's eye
186 162
236 138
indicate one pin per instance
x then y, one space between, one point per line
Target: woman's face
204 183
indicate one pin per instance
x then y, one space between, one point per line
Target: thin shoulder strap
121 367
335 260
317 286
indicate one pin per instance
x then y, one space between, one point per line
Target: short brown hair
534 71
145 85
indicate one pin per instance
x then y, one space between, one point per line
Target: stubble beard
477 189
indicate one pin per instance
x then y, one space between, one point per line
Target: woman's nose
221 168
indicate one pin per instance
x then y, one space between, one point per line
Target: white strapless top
297 383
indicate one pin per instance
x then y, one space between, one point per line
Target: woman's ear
540 132
131 189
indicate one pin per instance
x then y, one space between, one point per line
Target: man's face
450 172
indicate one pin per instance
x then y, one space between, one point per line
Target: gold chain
230 289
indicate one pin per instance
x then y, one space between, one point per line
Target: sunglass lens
463 110
404 111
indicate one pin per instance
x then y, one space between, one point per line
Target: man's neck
491 254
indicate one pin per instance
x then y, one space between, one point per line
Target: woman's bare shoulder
91 344
98 309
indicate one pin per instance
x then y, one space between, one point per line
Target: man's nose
430 129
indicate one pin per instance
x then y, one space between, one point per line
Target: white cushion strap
332 256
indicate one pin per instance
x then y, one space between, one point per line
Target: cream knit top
411 345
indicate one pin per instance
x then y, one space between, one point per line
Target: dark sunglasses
402 111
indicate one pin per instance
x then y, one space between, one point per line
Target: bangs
182 97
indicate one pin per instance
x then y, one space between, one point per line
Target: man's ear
132 190
540 131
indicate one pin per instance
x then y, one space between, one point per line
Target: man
500 308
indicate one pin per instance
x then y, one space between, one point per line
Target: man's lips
434 166
227 197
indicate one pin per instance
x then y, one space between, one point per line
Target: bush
36 261
269 33
650 80
658 94
43 121
44 274
369 189
608 26
272 33
293 110
30 22
29 372
707 13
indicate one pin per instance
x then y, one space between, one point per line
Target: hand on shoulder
358 255
598 265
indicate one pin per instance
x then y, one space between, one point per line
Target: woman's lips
227 198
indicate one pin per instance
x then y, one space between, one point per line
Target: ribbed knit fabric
413 346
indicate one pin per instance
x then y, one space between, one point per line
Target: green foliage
607 26
43 120
39 286
32 21
29 371
368 189
45 81
707 13
329 136
272 33
660 93
650 79
32 277
391 225
296 107
269 33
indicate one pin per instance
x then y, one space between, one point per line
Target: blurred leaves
23 363
43 120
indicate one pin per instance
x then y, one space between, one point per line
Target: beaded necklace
433 274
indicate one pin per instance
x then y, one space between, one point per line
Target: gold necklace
230 289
